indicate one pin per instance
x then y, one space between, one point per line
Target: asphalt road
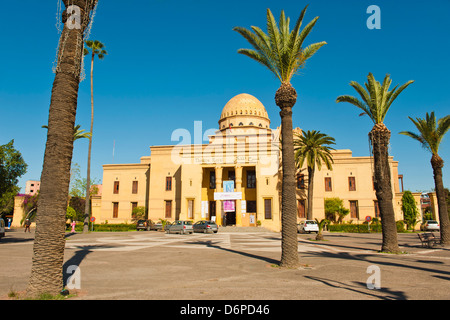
234 266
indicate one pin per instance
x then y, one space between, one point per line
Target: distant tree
334 209
71 214
12 167
376 100
138 213
409 209
96 49
77 203
431 133
78 184
314 149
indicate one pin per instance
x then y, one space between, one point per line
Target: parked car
429 225
2 228
308 226
181 227
205 226
159 226
145 225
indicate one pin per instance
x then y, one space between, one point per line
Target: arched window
241 124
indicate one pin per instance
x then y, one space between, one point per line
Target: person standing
27 225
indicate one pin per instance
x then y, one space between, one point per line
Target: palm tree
375 103
430 136
48 249
96 50
312 147
282 52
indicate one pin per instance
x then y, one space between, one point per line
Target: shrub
105 227
355 228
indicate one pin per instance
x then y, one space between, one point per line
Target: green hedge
362 228
103 227
355 228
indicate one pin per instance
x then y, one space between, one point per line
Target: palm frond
280 50
314 148
443 125
430 135
358 103
376 97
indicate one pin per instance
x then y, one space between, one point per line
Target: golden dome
244 110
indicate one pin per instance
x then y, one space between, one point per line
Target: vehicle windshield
432 221
188 222
311 222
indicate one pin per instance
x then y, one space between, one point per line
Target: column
238 175
218 189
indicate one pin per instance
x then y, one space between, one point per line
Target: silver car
205 226
181 227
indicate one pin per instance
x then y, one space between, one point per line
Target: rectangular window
301 181
190 209
212 179
116 187
168 209
328 184
168 183
351 184
251 179
115 209
301 209
377 208
134 188
267 208
133 206
354 209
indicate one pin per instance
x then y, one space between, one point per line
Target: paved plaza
235 265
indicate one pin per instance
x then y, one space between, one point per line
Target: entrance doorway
229 219
212 210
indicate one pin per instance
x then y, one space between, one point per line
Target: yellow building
192 181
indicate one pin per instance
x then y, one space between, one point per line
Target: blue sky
174 62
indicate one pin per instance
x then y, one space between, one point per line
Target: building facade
32 187
235 178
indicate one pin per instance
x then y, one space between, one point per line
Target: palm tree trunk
380 136
48 250
437 163
87 204
309 211
285 98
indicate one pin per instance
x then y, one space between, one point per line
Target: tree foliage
409 209
335 210
376 98
281 50
12 167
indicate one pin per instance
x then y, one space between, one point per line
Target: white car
430 225
308 226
